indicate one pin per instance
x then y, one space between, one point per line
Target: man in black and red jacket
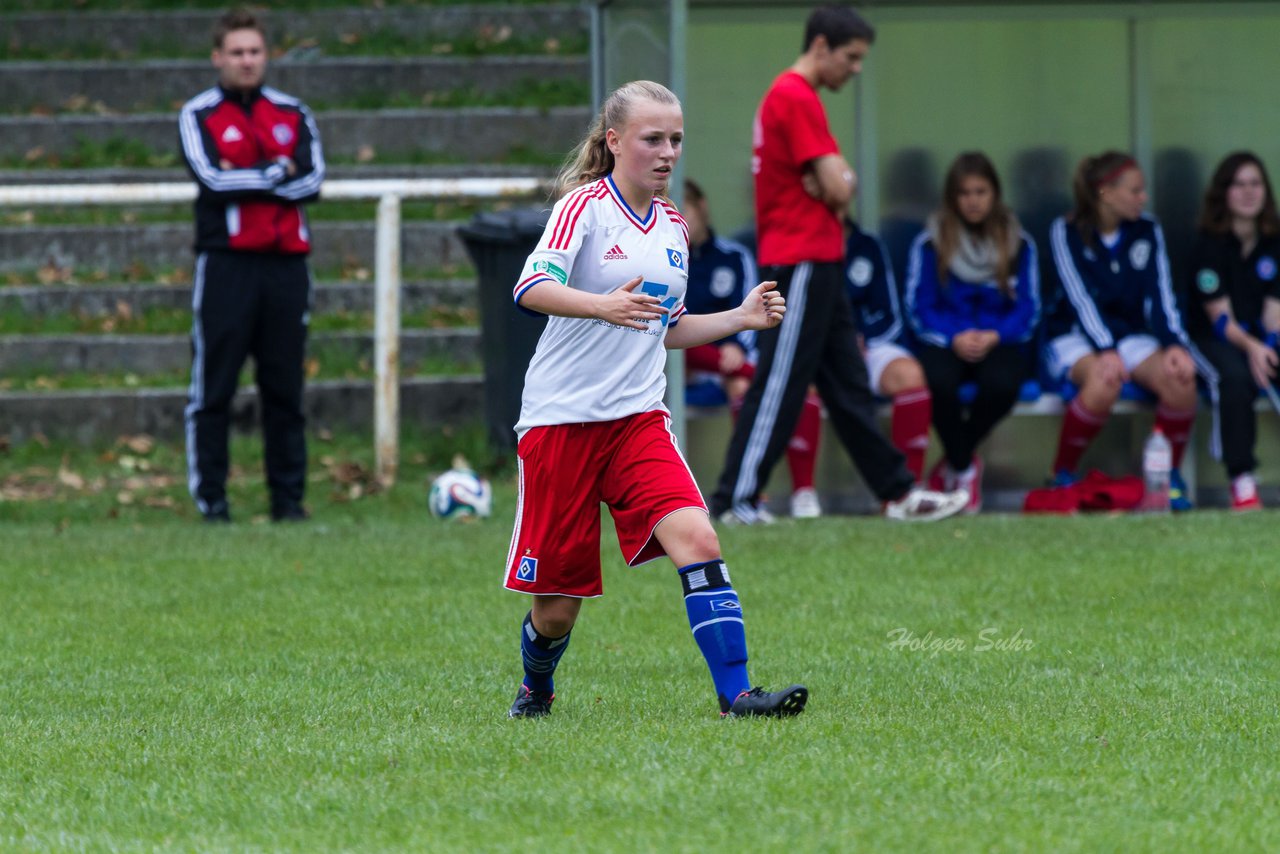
255 154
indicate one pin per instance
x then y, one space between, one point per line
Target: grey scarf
975 261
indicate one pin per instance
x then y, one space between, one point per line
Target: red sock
1079 426
802 450
1176 426
912 412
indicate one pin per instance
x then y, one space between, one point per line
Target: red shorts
566 471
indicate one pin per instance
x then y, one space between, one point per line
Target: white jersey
588 370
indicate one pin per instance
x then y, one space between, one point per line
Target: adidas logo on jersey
615 254
232 134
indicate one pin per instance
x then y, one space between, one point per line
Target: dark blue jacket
1110 294
869 281
721 272
941 310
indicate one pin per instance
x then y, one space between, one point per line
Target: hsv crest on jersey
615 254
232 134
675 259
860 272
1140 254
722 282
1266 268
528 569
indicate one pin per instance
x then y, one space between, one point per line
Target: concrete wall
1036 85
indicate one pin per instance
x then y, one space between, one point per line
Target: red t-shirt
790 130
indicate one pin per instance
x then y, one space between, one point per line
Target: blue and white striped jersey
1111 292
872 289
721 272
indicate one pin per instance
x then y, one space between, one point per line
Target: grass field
995 683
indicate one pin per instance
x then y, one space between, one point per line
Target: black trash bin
499 242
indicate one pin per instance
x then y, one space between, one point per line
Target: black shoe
531 704
761 703
289 513
218 513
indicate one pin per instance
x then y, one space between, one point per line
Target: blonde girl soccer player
610 271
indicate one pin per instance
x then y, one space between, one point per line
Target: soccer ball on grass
459 493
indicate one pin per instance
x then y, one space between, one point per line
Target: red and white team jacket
235 144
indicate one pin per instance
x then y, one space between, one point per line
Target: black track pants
962 427
246 304
1233 391
817 343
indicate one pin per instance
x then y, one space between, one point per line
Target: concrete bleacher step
188 31
159 354
113 299
465 133
165 84
69 89
424 246
89 416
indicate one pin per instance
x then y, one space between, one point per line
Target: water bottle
1157 461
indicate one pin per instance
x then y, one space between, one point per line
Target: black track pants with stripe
1233 392
817 343
245 304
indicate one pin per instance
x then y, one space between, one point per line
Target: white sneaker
925 505
745 514
970 480
805 504
1244 493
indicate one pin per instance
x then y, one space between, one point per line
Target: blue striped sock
540 655
715 616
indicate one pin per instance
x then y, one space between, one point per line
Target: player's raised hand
625 307
763 307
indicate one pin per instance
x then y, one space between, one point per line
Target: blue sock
540 655
716 619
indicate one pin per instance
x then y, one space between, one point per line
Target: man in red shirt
803 186
255 155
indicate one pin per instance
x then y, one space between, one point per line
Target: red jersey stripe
674 216
571 212
566 212
576 200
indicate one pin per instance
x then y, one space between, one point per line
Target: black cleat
761 703
218 513
289 512
531 704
